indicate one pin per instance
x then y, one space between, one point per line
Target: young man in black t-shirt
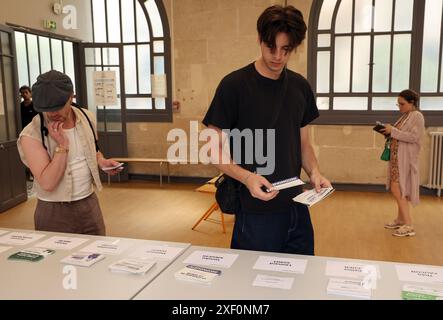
266 96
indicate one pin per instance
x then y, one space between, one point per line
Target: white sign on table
20 238
155 252
417 273
206 258
61 243
281 264
351 269
115 247
273 282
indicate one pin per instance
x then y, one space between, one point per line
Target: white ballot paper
3 232
285 184
368 272
20 238
417 273
3 249
61 243
349 288
273 282
131 266
281 264
157 252
311 197
206 258
115 247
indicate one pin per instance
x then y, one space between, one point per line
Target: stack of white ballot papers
132 266
284 184
83 259
197 274
354 288
311 197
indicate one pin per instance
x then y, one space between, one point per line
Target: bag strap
44 131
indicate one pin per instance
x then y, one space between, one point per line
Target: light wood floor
348 224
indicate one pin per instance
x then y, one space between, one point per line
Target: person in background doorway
403 167
26 106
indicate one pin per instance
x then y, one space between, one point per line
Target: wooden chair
209 187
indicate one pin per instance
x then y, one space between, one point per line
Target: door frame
106 135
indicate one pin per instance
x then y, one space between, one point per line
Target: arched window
141 26
364 52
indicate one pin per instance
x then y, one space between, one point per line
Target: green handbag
386 155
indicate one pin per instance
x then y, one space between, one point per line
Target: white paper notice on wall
2 106
158 82
105 93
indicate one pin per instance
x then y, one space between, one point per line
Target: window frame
148 115
75 51
368 117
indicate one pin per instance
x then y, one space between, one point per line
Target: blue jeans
285 232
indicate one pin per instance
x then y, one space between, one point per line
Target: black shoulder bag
227 194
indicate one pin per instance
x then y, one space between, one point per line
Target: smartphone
120 165
379 126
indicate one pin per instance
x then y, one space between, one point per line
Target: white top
78 168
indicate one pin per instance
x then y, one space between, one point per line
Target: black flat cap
51 91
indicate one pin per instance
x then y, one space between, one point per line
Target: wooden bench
145 160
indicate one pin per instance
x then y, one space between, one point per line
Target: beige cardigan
64 190
409 145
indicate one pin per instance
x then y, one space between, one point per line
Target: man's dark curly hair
276 19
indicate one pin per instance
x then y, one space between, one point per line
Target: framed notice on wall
158 82
105 93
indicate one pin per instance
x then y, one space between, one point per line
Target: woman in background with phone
403 168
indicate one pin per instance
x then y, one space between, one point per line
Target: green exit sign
49 24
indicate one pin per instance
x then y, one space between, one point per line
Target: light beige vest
63 192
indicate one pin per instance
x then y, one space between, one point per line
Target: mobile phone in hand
379 127
120 165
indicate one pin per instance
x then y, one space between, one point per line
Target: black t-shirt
27 113
247 100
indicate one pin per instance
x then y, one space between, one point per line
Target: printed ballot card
3 249
157 252
417 273
62 243
207 258
311 197
131 266
281 264
20 238
273 282
414 292
83 259
31 254
115 247
349 288
197 274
